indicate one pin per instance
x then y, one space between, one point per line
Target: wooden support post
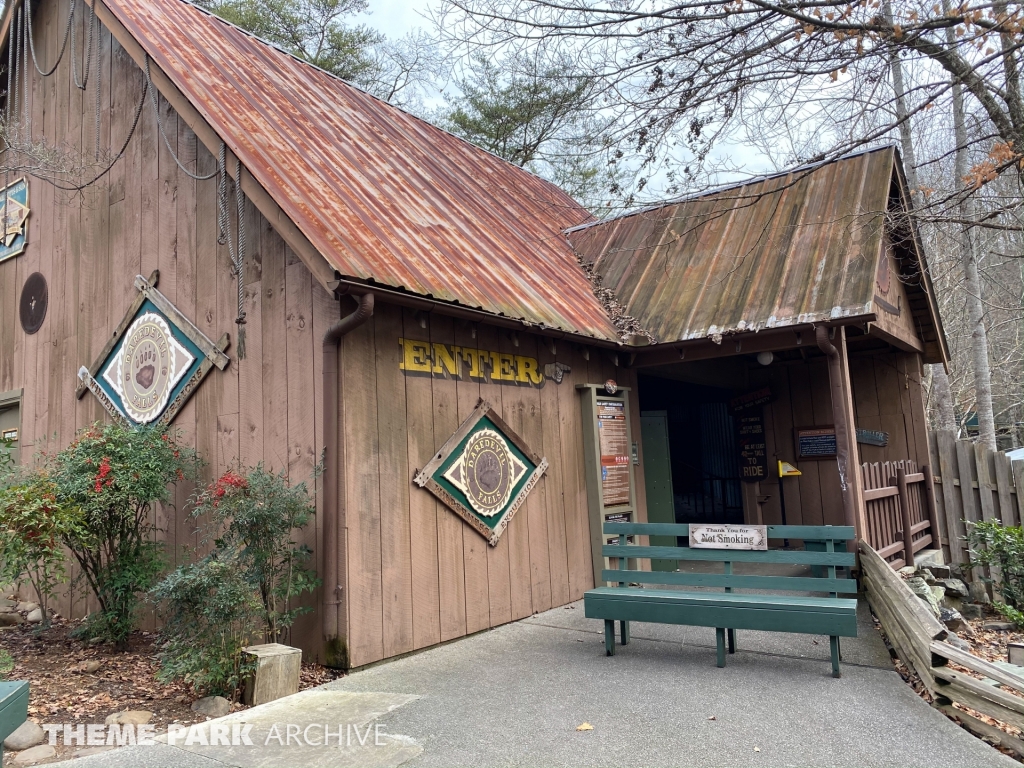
932 511
908 536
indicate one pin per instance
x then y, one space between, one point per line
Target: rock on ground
999 626
952 619
212 706
7 619
34 616
27 607
26 735
970 611
958 642
955 588
979 593
35 754
129 717
920 588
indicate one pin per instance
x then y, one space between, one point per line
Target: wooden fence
917 637
972 483
899 503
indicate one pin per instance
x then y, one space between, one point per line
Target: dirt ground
74 682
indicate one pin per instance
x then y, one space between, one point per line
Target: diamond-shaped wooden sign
14 212
483 473
153 362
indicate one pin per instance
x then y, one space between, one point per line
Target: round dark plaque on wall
33 303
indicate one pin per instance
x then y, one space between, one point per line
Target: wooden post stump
276 675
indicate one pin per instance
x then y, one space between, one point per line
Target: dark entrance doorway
702 461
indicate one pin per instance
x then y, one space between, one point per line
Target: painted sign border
209 355
427 477
20 242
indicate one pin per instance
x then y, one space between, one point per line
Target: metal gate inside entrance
690 454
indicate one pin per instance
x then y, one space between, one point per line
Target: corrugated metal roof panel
382 195
793 248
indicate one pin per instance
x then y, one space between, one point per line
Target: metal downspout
835 378
334 511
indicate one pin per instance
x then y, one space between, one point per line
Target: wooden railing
899 503
918 639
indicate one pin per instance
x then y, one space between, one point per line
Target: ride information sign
815 442
615 453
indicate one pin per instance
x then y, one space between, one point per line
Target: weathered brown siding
146 215
417 574
886 396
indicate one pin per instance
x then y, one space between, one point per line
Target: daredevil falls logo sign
483 473
153 362
147 367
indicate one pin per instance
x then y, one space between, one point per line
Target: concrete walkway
515 695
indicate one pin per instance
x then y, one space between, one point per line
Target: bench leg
720 641
609 637
834 643
624 627
732 641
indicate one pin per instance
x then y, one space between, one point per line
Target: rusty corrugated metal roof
794 248
382 195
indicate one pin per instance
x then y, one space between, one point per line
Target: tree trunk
972 284
941 393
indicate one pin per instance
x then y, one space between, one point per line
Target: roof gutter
835 378
424 304
335 621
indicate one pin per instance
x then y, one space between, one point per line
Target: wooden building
415 313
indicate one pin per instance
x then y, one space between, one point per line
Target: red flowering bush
33 526
245 589
112 475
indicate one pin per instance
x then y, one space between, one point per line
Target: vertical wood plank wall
417 575
886 396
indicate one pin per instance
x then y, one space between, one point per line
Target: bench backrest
827 550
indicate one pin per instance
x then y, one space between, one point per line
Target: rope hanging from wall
236 249
68 31
163 134
21 42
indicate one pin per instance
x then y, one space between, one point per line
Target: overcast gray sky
395 17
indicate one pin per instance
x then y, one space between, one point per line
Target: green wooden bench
728 611
13 709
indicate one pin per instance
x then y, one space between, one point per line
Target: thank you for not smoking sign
729 536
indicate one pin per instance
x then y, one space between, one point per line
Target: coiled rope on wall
21 44
236 250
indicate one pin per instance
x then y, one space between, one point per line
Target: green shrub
242 591
7 464
33 527
208 615
996 545
112 475
6 664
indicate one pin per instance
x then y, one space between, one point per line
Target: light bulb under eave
765 358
